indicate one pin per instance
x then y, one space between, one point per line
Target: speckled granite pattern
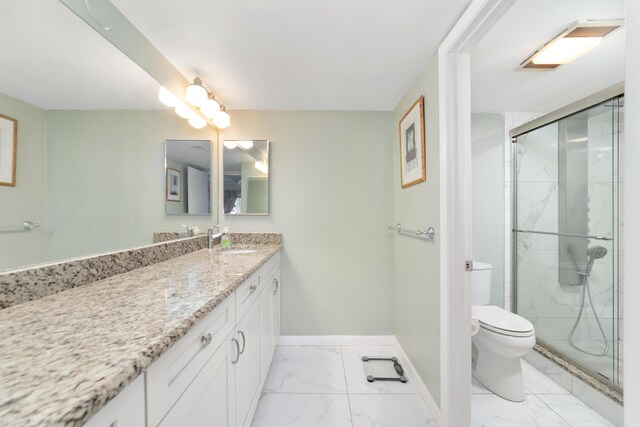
64 356
29 284
602 387
256 238
165 236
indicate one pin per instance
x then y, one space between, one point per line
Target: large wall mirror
246 177
90 143
188 177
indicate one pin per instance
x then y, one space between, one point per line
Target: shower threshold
594 379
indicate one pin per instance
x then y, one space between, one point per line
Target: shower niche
565 234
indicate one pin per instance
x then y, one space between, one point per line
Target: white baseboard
360 340
414 377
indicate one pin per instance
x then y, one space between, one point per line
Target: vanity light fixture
198 97
245 145
222 119
167 98
262 167
230 144
572 43
210 108
196 94
197 122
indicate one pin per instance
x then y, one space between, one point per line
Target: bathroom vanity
181 342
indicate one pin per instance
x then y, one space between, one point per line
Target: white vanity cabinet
125 410
213 376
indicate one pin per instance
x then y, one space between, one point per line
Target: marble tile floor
546 404
325 386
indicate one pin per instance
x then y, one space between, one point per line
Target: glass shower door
566 236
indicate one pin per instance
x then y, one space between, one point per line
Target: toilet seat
501 321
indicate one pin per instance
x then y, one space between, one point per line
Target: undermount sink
239 251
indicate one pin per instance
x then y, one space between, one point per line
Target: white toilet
503 338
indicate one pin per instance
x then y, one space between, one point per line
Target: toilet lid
498 319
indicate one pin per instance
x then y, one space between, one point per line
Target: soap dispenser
225 241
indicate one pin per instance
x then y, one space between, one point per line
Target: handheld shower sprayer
594 253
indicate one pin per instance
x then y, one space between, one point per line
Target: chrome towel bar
26 226
429 233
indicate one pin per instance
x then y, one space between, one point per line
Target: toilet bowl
503 338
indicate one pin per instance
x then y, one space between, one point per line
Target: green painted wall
331 197
416 315
106 182
25 201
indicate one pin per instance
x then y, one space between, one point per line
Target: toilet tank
481 283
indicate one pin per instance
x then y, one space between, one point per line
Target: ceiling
298 55
54 60
191 153
497 85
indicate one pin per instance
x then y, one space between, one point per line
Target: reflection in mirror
90 135
188 177
246 177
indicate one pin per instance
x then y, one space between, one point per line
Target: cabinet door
125 410
276 306
209 399
266 330
248 366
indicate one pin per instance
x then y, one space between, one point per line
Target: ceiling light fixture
245 145
210 110
572 43
230 144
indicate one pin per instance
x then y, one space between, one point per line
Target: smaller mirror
187 177
246 177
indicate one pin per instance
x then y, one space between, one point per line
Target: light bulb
245 144
230 144
262 167
565 50
197 121
183 110
167 98
210 108
196 94
222 120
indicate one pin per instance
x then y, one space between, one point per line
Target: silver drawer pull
237 351
244 341
253 288
276 286
206 340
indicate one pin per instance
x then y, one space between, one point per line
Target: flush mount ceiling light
203 109
245 145
230 144
570 44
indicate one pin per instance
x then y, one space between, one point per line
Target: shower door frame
611 92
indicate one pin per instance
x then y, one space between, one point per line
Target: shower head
594 253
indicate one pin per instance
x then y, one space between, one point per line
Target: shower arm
585 236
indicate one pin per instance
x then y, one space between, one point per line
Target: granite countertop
64 356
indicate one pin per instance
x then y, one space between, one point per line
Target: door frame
454 109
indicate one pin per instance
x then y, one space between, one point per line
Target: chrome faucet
189 230
212 236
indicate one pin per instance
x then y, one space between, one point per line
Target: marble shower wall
551 306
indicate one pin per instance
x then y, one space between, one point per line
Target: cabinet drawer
247 293
125 410
170 375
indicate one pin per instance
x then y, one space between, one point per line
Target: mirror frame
221 197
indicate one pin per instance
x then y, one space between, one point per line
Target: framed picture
413 165
8 150
174 185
